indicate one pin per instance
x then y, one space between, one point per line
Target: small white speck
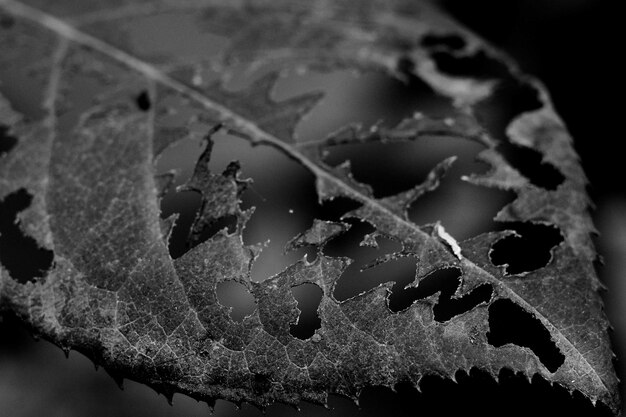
290 211
448 121
456 249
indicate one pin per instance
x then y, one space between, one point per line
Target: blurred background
571 45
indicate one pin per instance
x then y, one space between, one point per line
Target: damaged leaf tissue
311 208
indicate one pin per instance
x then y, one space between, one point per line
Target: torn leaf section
319 234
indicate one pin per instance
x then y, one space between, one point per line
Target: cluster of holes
364 172
449 41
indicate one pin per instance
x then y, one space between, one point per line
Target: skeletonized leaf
100 109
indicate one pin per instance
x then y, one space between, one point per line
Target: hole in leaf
366 98
143 101
476 394
464 209
527 252
162 37
7 141
309 297
83 92
448 41
282 193
350 239
23 91
235 295
509 99
261 384
20 254
509 323
445 281
530 164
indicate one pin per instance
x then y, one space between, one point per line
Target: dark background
573 47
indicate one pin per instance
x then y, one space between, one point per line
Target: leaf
85 154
